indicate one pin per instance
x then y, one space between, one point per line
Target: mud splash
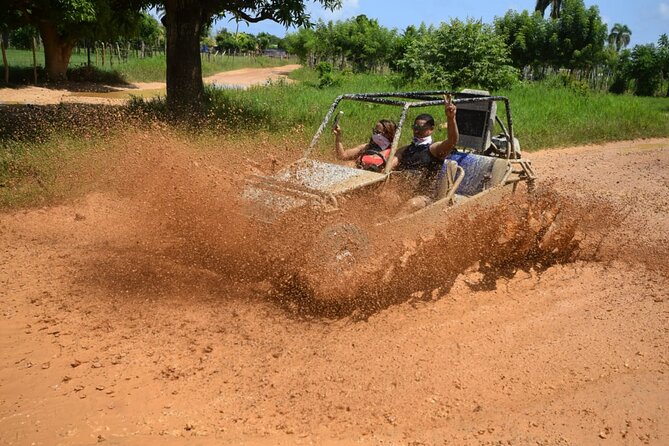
532 232
188 222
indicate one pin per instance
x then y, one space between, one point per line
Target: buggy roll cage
423 99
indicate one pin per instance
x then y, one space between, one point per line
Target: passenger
372 155
423 158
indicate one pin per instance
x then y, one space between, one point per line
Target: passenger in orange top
372 155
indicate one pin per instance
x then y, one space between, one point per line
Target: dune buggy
485 167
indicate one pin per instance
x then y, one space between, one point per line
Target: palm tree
620 36
556 6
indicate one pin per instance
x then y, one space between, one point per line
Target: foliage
645 69
326 77
150 30
233 43
620 36
575 40
22 38
62 23
459 54
359 42
621 68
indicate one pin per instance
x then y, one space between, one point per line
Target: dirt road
95 94
120 323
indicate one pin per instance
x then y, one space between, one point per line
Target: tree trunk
184 20
34 47
57 52
4 57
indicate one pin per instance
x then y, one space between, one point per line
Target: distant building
273 52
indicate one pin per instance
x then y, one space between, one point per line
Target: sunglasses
422 127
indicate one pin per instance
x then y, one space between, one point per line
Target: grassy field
543 116
149 69
43 147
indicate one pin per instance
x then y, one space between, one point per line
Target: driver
423 156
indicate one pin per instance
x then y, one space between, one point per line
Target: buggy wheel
337 261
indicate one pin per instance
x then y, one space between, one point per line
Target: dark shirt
423 165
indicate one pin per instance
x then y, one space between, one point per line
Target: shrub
459 54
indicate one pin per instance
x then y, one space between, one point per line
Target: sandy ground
122 324
113 95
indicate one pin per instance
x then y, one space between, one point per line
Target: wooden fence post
4 59
34 45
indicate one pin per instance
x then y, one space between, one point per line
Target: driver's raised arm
443 148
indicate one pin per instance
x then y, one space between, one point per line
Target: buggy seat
480 172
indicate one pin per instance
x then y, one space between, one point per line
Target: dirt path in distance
96 94
120 324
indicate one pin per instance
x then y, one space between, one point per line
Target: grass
35 173
149 69
557 117
543 116
40 146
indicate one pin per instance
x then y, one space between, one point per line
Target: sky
646 18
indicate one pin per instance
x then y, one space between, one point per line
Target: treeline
574 44
243 43
144 36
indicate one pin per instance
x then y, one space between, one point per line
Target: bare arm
443 148
342 154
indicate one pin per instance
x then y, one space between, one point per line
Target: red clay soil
136 315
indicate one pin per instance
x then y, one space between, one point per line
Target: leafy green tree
459 54
620 36
150 30
266 40
302 44
22 38
646 69
62 23
184 20
663 54
526 35
575 40
621 68
579 36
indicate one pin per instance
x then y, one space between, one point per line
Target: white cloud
663 9
348 9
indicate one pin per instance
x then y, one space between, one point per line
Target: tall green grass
542 116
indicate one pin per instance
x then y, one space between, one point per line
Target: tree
663 53
150 30
184 20
620 36
459 54
556 6
646 69
526 35
61 23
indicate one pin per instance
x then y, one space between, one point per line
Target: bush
326 76
565 80
459 54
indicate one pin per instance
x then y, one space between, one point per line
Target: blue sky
646 18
